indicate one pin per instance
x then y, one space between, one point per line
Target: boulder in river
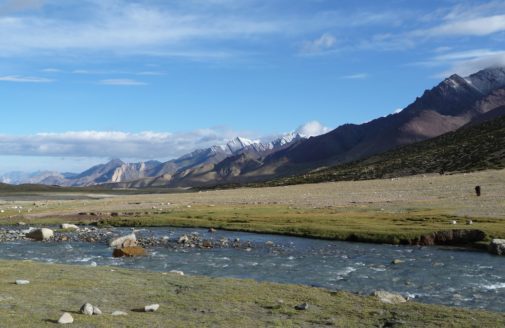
389 298
40 234
497 246
129 251
127 240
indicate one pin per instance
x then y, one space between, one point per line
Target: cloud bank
118 144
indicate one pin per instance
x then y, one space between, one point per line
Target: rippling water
428 274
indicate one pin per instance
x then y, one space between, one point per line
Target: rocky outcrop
449 237
497 246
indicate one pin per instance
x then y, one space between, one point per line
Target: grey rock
118 242
68 226
87 309
40 234
497 246
116 313
302 307
96 310
389 298
151 308
66 318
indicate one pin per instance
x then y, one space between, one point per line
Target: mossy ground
201 302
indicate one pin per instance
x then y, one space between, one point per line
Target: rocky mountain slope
472 148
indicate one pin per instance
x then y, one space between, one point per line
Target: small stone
116 313
87 309
396 261
389 298
183 239
66 318
269 243
68 226
93 264
22 282
96 310
212 230
151 308
177 272
469 222
21 223
302 307
454 222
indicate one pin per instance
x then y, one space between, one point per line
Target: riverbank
395 211
200 301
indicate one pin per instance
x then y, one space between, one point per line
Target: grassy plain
201 302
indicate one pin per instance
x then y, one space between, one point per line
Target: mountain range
454 103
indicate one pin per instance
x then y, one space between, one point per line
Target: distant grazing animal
477 190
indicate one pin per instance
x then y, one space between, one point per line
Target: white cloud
127 28
106 144
357 76
312 129
322 44
122 82
478 26
128 145
467 62
24 79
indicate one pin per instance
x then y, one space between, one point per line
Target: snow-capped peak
239 143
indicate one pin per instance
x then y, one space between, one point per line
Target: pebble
116 313
66 318
151 308
22 282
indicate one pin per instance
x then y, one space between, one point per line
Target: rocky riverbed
145 237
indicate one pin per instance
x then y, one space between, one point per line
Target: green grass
364 225
201 302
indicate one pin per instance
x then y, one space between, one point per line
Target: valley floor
390 210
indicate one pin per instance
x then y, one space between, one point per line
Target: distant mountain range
144 173
454 103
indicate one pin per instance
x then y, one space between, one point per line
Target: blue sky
83 81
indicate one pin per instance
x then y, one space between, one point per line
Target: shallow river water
428 274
